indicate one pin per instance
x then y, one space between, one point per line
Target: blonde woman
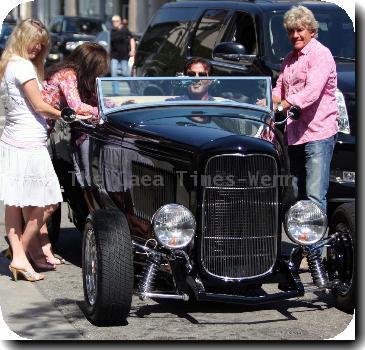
28 183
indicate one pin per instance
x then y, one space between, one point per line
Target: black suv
248 38
69 31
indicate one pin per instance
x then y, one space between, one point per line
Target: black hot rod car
193 193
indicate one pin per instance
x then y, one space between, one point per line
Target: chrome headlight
54 56
343 118
305 223
173 226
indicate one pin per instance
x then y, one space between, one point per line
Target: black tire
107 269
341 256
53 226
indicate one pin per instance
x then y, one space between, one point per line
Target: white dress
27 176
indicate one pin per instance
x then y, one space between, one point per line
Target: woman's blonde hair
26 33
300 16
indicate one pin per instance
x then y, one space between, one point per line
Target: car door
242 30
212 25
162 49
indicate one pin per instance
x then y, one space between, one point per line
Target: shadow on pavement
185 309
69 246
45 323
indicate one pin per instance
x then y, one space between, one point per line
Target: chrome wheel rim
91 267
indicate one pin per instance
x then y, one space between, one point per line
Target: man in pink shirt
308 80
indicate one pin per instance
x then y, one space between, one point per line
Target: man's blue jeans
117 68
310 165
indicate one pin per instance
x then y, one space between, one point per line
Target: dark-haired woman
72 83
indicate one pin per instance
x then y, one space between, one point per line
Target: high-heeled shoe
55 261
48 251
29 276
41 267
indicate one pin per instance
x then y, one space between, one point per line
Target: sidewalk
28 313
25 310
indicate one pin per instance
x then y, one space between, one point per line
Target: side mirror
68 115
230 51
294 112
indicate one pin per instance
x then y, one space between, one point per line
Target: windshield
82 25
335 31
130 93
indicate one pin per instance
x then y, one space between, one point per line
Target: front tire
107 268
341 256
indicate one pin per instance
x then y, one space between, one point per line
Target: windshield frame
105 110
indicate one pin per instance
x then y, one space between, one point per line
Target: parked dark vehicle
247 38
67 32
189 198
6 30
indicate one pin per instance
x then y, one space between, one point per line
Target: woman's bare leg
14 230
47 247
35 218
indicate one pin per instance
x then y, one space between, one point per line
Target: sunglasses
194 74
37 24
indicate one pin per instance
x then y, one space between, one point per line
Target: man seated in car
196 67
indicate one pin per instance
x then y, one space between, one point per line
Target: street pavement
26 310
52 309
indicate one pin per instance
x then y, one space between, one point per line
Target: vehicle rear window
207 32
168 31
56 26
80 25
335 31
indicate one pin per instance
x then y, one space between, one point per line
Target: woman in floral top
72 83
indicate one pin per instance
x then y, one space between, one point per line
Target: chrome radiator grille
240 213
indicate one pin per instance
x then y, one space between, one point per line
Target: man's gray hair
116 18
300 16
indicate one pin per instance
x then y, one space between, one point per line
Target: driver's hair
196 60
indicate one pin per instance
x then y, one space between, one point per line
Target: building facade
138 12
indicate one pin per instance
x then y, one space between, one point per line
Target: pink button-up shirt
308 80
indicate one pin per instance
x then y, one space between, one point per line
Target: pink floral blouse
61 91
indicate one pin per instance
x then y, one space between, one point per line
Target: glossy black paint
167 143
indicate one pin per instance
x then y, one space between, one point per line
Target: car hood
197 128
73 37
77 37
